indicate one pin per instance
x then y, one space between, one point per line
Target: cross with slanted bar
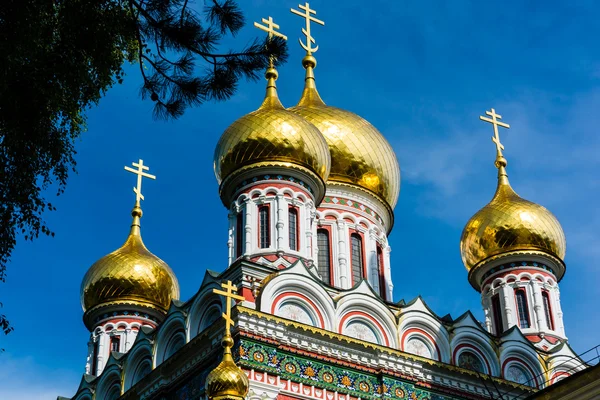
270 28
229 294
496 123
140 174
309 18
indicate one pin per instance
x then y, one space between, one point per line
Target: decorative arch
138 363
363 326
468 339
171 337
109 387
303 289
421 343
198 312
470 357
419 323
299 308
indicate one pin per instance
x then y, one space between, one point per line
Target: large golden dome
274 135
509 223
227 380
130 275
360 155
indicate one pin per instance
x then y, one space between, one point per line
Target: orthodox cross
270 28
309 18
229 294
496 123
140 174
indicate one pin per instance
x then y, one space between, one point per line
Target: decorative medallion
364 386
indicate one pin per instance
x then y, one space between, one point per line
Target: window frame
296 212
381 272
523 292
261 228
327 231
115 339
239 234
548 309
359 236
497 314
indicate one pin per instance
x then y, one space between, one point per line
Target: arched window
95 356
522 308
175 343
293 228
519 374
547 310
324 256
211 315
361 331
418 346
143 369
239 234
113 393
497 315
469 360
295 311
356 257
380 274
265 229
115 343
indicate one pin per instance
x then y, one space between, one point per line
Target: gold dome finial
271 98
509 223
227 381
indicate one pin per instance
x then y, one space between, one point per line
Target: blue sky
422 73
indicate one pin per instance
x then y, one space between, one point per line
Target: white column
307 215
372 272
486 304
388 273
508 304
342 231
282 222
537 305
230 237
249 220
129 337
102 348
558 320
90 361
312 227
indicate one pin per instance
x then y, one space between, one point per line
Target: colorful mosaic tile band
265 358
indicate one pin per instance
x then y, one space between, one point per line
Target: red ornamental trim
368 317
476 350
355 205
557 375
427 335
277 185
303 297
521 363
516 271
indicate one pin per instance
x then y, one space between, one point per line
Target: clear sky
422 73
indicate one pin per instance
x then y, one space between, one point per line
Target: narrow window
324 256
239 234
265 231
497 315
522 309
293 228
357 258
548 310
115 343
380 274
95 357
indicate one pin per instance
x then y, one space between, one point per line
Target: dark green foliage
57 59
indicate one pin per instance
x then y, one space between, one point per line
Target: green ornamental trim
265 358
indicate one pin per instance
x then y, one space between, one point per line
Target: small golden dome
227 380
510 223
130 275
271 134
360 155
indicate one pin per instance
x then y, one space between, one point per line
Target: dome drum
138 309
276 171
486 269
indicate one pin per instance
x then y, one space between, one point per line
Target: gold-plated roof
360 155
272 134
227 380
130 275
510 223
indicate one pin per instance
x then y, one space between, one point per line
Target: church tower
514 251
125 291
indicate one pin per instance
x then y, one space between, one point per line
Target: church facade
310 192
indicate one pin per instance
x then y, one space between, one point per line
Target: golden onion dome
271 135
510 223
227 380
130 275
360 155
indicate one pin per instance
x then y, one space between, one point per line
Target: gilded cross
270 28
140 174
229 294
496 123
309 18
